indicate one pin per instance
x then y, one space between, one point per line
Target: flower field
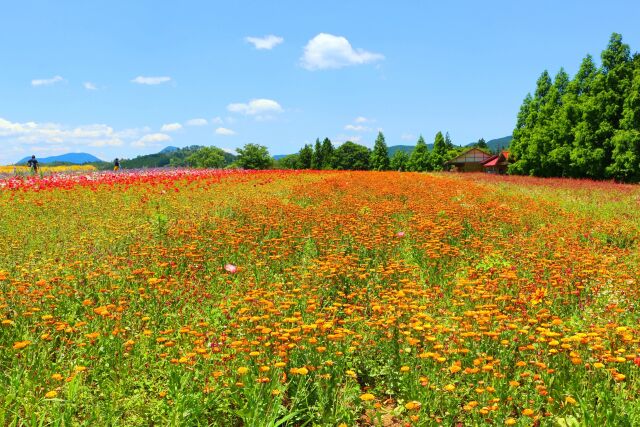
276 298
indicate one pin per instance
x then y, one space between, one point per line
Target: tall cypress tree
305 157
317 159
438 153
419 158
380 154
327 154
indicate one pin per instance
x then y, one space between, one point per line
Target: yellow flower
242 370
302 371
367 397
598 365
449 387
510 421
413 405
570 400
527 412
405 369
51 394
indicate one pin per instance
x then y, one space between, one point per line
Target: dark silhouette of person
33 164
116 165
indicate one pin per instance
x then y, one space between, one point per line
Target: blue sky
122 78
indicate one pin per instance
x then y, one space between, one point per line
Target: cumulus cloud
197 122
143 80
357 128
361 119
217 120
170 127
266 42
47 82
89 86
54 137
326 51
151 139
261 108
224 131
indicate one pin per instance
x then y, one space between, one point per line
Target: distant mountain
406 148
169 149
169 156
497 144
75 158
280 156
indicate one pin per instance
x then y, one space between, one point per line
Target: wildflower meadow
318 298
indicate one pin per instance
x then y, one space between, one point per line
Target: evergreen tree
327 150
584 127
305 157
317 159
482 144
419 158
438 154
448 142
380 154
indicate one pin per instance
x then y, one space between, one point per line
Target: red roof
493 161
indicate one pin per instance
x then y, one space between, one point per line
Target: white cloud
113 142
408 137
151 139
217 120
47 82
266 42
197 122
230 151
49 138
326 51
361 119
357 128
89 86
170 127
225 131
262 108
150 80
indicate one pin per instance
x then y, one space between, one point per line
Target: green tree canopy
352 156
399 161
207 157
254 156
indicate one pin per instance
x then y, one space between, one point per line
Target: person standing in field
116 165
33 164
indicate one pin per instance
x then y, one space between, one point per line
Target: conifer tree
419 158
380 154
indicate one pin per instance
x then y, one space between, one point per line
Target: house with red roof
497 163
470 160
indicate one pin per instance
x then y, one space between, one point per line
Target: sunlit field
25 170
272 298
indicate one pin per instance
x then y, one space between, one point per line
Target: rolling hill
73 158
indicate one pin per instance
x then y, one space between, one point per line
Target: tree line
585 127
353 156
323 155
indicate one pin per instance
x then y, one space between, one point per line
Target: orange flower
20 345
